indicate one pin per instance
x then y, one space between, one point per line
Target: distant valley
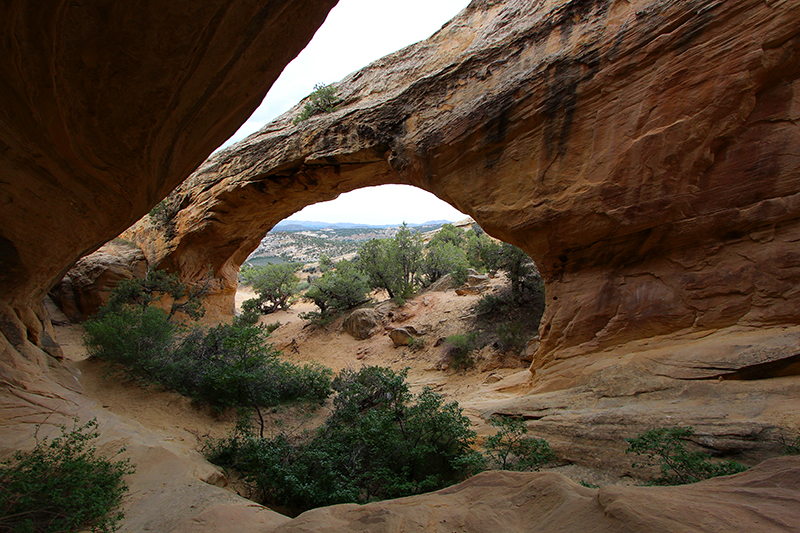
306 241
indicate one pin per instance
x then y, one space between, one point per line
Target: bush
323 100
142 292
227 365
666 448
444 257
392 264
233 365
379 442
140 339
339 290
518 266
512 336
511 449
462 346
61 485
274 286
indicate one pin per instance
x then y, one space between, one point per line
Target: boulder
401 336
477 279
471 290
362 323
442 284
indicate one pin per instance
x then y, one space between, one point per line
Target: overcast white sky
356 33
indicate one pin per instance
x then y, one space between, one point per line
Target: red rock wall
645 154
105 107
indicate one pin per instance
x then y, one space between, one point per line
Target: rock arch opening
638 215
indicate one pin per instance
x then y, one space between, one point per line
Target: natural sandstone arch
645 154
105 108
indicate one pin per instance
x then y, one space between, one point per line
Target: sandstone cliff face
645 154
106 107
88 285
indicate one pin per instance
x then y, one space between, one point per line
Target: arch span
645 154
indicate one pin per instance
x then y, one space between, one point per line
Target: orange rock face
106 107
645 154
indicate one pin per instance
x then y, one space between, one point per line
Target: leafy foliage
463 344
274 286
518 266
227 365
448 233
142 292
512 336
62 485
444 257
511 449
380 441
392 264
322 100
666 448
339 289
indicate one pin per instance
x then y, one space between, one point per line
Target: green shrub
233 365
322 100
142 292
511 449
274 286
666 448
518 266
416 343
442 258
392 264
379 442
339 289
62 485
226 365
492 304
462 346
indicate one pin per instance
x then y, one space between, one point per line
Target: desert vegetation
63 485
228 365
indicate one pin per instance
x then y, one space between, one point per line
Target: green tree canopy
392 264
339 289
274 285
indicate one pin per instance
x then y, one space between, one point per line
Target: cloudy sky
356 33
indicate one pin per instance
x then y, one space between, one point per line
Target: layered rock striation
645 154
106 107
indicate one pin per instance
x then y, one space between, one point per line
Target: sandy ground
165 412
437 314
434 314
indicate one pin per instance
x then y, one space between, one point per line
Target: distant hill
305 241
305 225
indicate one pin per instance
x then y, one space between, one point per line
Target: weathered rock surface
88 285
548 502
444 283
477 279
402 336
362 323
645 154
106 107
